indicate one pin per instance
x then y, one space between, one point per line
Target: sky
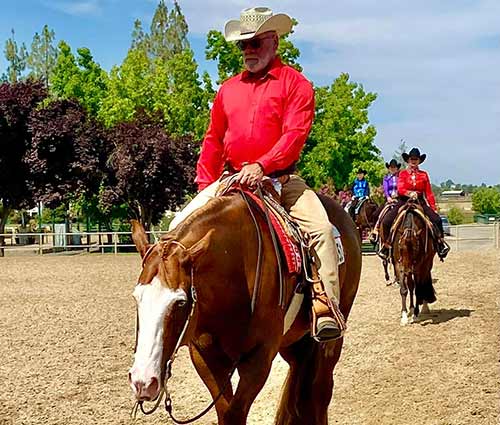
434 64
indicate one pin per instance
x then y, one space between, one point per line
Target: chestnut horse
413 256
196 289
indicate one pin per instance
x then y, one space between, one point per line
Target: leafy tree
375 171
230 60
486 200
16 57
152 171
79 78
67 154
17 101
159 77
456 215
43 56
341 135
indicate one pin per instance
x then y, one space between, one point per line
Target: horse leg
425 308
403 290
253 370
386 272
213 367
309 385
411 288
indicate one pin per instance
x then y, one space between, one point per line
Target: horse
199 288
413 256
365 219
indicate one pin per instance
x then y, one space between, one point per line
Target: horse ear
139 237
200 247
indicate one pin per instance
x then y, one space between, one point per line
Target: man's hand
413 195
250 175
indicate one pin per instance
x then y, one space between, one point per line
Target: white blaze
154 302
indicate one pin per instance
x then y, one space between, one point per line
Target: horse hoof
404 319
425 309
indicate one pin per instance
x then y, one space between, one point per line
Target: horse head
413 238
164 302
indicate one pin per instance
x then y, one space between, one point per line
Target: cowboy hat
415 152
254 21
393 163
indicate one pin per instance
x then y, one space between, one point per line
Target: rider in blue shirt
360 191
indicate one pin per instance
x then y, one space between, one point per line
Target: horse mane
213 207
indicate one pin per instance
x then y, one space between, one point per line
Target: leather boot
328 322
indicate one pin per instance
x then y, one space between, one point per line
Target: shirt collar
274 71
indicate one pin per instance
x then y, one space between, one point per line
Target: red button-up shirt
257 120
416 181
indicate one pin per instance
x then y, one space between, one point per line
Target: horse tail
309 384
424 290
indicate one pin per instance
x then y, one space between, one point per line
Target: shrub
456 215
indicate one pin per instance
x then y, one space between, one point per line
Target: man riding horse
259 123
414 184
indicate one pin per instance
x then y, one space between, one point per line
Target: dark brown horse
196 289
366 218
413 256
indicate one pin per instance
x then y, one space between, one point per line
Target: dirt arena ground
67 328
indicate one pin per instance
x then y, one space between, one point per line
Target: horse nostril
153 386
129 377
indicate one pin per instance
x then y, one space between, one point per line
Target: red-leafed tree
151 170
17 101
68 152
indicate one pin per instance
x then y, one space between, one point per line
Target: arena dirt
67 329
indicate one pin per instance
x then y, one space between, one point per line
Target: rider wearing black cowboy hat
390 185
414 183
360 190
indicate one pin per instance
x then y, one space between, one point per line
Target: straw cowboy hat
254 21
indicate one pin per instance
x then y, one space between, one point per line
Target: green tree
43 56
341 134
16 57
229 58
486 200
456 215
159 77
79 78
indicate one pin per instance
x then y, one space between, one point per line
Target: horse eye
181 303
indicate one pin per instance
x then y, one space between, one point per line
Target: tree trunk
4 214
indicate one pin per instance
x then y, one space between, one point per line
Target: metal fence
461 238
471 237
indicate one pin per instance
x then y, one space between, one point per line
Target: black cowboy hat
414 152
361 171
393 163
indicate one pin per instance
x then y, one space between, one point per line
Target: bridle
168 364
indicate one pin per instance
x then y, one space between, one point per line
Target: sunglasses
254 43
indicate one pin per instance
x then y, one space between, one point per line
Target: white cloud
76 8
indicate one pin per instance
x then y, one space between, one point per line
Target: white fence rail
471 237
462 238
43 243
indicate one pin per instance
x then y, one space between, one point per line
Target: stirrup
327 329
